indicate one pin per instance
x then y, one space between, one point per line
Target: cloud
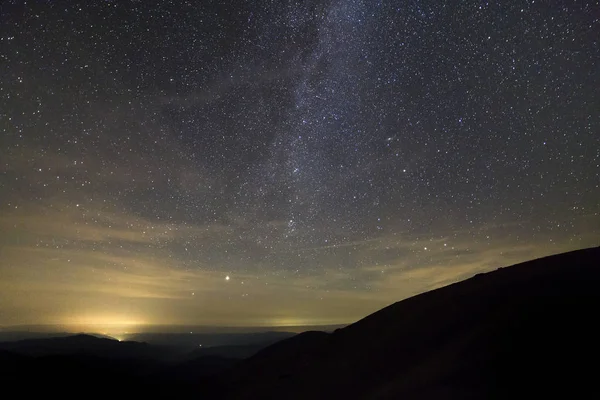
85 223
90 265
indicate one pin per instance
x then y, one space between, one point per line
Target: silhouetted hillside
201 367
13 334
238 352
125 366
192 340
529 329
526 331
84 345
70 366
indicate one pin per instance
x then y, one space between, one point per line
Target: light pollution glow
285 163
54 273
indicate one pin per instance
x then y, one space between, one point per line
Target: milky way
274 163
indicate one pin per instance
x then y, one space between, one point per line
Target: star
321 150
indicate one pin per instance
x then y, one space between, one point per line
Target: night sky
271 163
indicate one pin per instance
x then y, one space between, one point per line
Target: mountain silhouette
82 344
67 365
525 330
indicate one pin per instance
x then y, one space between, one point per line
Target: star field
275 163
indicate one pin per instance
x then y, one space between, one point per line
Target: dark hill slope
83 344
525 330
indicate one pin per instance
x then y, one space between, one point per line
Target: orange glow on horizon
106 324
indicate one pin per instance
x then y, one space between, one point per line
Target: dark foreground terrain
526 331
